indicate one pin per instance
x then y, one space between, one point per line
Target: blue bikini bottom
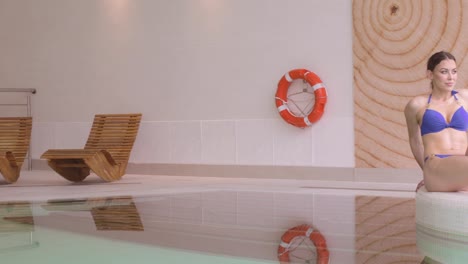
439 156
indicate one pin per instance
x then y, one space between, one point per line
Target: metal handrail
18 90
28 109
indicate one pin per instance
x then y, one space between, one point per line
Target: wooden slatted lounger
15 135
106 152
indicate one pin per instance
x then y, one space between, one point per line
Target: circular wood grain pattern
385 230
391 44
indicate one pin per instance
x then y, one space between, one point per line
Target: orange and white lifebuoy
320 94
323 256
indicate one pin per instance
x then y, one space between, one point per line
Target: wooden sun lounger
109 213
15 135
106 152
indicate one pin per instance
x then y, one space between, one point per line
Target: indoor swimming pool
167 219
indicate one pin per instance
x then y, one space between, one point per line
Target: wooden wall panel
392 40
385 230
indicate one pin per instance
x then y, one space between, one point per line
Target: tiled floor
44 184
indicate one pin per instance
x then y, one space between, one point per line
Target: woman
437 127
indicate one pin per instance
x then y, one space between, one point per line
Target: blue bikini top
433 121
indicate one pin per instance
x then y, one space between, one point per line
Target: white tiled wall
218 142
185 138
42 138
64 131
153 144
255 142
182 60
12 104
224 142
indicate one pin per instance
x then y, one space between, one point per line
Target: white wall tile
255 142
159 209
153 143
187 208
293 145
71 135
334 217
242 142
218 142
331 146
42 138
220 208
256 209
186 142
293 209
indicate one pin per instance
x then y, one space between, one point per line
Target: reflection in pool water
207 227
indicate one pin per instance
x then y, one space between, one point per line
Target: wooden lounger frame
15 136
109 213
106 152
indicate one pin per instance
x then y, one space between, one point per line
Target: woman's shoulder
413 109
417 102
463 93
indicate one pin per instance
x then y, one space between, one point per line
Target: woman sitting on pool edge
437 127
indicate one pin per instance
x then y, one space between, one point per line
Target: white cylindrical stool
442 225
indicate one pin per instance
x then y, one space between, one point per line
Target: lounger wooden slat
109 213
15 136
106 151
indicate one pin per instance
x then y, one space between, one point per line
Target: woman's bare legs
446 174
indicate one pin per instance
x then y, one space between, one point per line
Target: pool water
211 226
53 246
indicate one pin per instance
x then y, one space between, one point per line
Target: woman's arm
463 95
414 131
